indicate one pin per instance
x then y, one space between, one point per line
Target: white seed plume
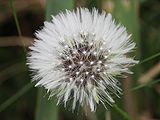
78 55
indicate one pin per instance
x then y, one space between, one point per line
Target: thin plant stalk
17 22
15 97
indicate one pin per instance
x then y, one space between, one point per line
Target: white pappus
78 56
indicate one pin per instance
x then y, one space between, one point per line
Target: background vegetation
19 100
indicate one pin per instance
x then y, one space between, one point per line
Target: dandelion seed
82 80
70 79
91 44
92 62
74 52
101 48
66 46
67 57
95 53
84 52
92 76
106 65
87 73
69 66
99 61
77 73
105 56
81 62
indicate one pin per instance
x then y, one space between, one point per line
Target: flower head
78 55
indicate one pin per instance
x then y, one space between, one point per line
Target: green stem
46 108
150 58
17 22
121 112
149 84
15 97
15 17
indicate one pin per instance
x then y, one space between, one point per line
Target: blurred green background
19 100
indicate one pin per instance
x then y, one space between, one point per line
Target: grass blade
15 17
15 97
121 112
150 58
149 84
17 22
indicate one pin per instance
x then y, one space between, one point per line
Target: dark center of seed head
83 64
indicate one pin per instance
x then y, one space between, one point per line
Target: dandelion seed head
69 56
